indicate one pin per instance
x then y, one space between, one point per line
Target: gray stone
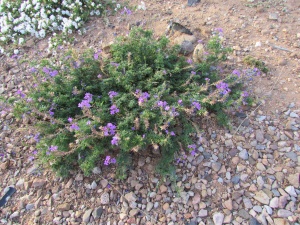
236 179
260 181
216 166
29 207
244 214
193 2
273 16
203 213
218 218
93 185
131 197
86 216
186 47
247 203
259 135
244 154
96 170
257 208
229 143
284 213
149 206
292 156
97 213
254 221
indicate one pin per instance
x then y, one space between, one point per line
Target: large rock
262 197
199 53
131 197
218 218
87 215
37 183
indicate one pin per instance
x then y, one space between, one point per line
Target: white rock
268 209
291 191
258 44
202 213
257 208
149 206
93 185
284 213
274 203
218 218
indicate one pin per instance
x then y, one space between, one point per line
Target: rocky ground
249 174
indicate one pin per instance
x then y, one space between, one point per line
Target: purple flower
179 101
22 95
109 129
99 76
236 72
113 160
31 158
172 133
33 70
245 94
34 152
112 94
53 73
127 11
192 146
29 100
193 72
196 105
85 103
96 56
207 79
114 64
200 41
143 97
256 71
107 160
162 104
114 110
88 122
53 148
115 140
36 137
193 152
189 61
51 113
74 126
220 30
223 88
70 120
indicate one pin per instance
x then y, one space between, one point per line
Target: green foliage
251 61
144 97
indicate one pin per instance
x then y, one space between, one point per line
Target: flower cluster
85 103
142 96
114 110
223 88
109 129
50 72
108 160
52 148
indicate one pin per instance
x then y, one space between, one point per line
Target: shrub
144 97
